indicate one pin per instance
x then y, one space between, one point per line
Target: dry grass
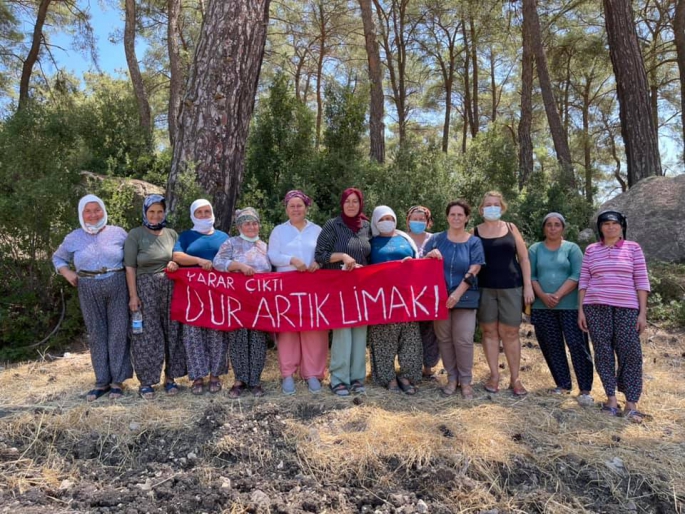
541 453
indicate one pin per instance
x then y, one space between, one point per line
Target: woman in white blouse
291 248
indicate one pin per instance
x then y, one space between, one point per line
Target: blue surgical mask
417 227
492 212
250 239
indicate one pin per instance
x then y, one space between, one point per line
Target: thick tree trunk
637 124
134 69
216 112
377 103
526 121
556 127
175 72
679 31
32 57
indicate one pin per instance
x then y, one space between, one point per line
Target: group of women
489 273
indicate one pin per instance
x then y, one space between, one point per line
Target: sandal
214 386
236 390
559 390
357 387
449 389
171 388
393 387
198 387
494 389
96 393
466 392
611 411
635 416
115 393
257 391
340 390
517 389
146 392
407 387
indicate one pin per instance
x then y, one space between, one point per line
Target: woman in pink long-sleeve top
612 293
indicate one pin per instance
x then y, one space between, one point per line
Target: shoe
407 387
171 388
635 416
489 387
288 386
393 387
314 385
214 386
357 387
559 390
96 393
466 392
585 400
116 393
257 391
146 393
611 411
237 390
340 390
449 389
517 389
198 387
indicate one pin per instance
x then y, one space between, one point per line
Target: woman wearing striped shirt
344 243
612 293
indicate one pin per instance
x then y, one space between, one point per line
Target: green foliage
667 299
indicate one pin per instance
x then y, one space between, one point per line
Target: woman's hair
460 203
495 194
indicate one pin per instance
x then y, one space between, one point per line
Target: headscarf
149 202
91 229
203 226
616 216
420 208
246 214
384 210
554 215
354 223
296 193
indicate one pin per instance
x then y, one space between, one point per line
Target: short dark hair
461 203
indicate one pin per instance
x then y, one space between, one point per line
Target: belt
103 271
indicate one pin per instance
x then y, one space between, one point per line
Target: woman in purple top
612 293
96 251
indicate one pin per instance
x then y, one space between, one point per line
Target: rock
586 236
192 456
65 485
134 426
396 499
653 208
615 464
260 497
421 507
147 486
225 483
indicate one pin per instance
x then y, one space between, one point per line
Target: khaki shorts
502 305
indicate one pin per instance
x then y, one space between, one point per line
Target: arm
61 259
325 244
546 298
641 278
582 322
277 257
188 260
134 301
522 253
642 316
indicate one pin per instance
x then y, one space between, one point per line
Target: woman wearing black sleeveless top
505 282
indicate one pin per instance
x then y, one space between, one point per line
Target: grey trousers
455 340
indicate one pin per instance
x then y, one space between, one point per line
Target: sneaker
559 390
288 386
585 400
314 385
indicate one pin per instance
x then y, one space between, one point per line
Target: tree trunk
556 127
319 74
474 62
679 31
377 103
493 85
637 124
448 115
216 112
587 148
134 69
32 57
175 72
467 79
526 121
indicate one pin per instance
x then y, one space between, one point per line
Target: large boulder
656 218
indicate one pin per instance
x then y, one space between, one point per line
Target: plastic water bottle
137 322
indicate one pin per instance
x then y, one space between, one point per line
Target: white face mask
204 226
94 229
386 227
250 239
492 212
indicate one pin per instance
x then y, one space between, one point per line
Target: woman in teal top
555 270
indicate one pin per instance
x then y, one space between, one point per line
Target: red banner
413 290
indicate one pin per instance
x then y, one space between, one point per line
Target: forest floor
376 453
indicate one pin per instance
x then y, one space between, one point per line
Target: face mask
203 226
250 239
492 213
417 227
94 229
386 227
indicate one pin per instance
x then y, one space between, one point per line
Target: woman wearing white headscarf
401 340
147 253
246 254
96 251
206 348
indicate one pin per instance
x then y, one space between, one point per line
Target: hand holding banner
400 291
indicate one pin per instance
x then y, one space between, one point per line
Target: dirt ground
376 453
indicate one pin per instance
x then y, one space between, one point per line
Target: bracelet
469 279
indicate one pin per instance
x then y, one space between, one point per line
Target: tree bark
216 112
467 79
637 124
493 85
32 57
175 72
319 73
134 69
556 127
377 102
474 62
679 31
526 120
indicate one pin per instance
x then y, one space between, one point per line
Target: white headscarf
384 210
91 229
203 226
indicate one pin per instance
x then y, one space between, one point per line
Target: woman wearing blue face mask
246 254
505 282
419 222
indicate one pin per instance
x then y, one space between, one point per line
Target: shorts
501 305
